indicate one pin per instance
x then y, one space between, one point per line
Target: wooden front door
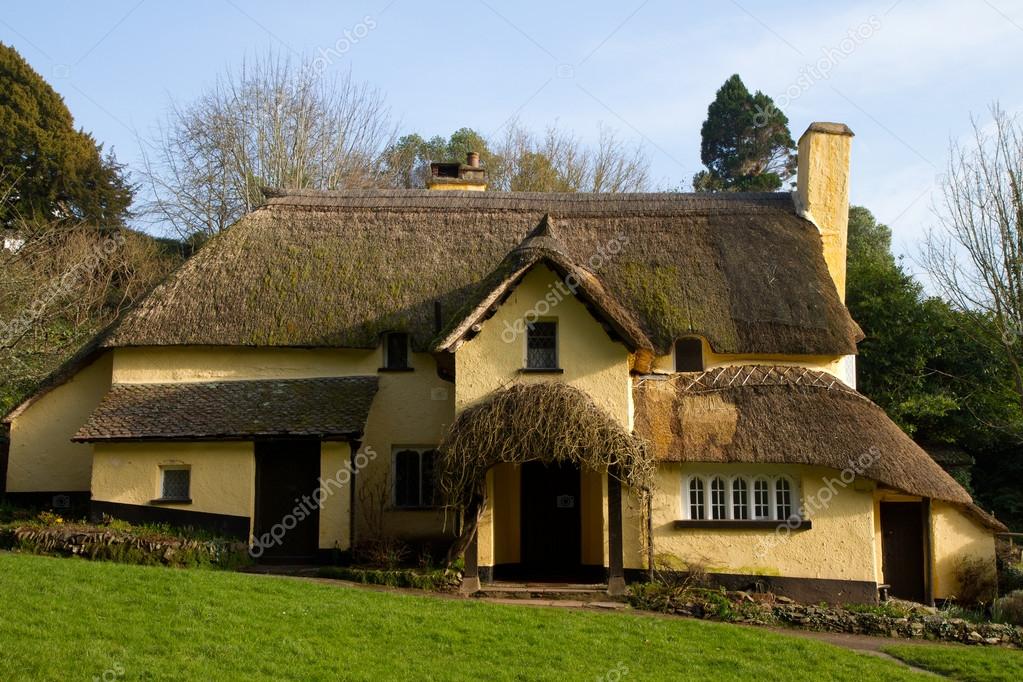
551 521
287 473
902 549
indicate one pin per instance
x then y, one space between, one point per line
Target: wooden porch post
616 560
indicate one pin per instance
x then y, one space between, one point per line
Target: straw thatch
548 422
337 269
783 415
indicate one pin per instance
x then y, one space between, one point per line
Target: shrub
384 552
1009 609
977 579
435 580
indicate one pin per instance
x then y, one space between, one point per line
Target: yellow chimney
468 176
822 191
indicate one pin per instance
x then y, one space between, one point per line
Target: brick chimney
822 191
465 176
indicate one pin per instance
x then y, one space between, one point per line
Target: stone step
545 592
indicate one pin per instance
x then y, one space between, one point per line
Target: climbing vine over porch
548 422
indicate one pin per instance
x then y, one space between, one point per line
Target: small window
696 498
396 351
740 499
718 504
542 345
761 499
414 479
689 355
175 484
783 499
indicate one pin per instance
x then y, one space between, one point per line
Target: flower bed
887 620
145 545
436 580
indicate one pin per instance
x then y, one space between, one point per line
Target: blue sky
905 76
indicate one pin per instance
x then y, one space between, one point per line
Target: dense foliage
746 145
920 361
50 170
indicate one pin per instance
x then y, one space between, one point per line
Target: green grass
977 664
72 618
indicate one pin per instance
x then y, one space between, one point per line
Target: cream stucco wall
839 546
222 478
42 456
956 537
411 409
591 361
841 366
335 463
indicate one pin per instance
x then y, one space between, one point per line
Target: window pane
175 484
718 507
397 351
689 355
406 479
783 499
695 499
429 484
740 499
542 345
761 499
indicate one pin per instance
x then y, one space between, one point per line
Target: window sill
171 500
804 524
541 370
396 369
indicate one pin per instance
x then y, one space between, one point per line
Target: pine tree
746 143
50 171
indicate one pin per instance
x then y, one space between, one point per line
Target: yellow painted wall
335 529
956 536
507 513
411 409
839 546
222 479
42 456
836 365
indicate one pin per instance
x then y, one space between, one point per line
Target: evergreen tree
746 144
48 169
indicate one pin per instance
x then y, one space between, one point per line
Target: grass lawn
962 662
66 618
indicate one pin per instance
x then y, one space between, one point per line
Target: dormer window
689 355
396 355
542 346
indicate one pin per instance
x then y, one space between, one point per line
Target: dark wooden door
287 526
551 521
902 549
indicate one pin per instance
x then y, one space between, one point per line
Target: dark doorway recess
287 473
551 521
903 549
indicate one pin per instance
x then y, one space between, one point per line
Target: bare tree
975 255
275 122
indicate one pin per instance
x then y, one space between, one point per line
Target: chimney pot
472 159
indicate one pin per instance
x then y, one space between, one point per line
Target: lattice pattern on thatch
758 375
549 422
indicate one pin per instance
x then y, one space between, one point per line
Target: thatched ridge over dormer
314 269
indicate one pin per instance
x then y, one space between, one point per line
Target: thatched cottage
564 386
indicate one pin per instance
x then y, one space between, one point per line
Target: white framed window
415 485
694 499
741 497
176 483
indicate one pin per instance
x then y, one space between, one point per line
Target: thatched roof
329 408
783 415
543 245
339 268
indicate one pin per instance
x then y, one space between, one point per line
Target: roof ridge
747 376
